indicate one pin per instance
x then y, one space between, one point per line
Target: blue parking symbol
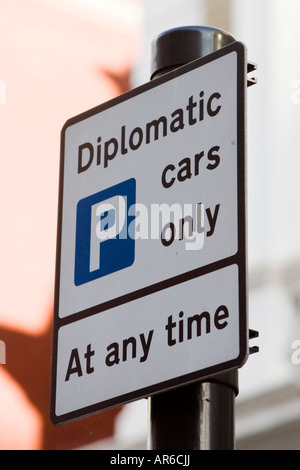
103 244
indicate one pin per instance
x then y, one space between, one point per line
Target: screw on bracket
253 334
251 66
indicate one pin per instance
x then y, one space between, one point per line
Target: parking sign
151 275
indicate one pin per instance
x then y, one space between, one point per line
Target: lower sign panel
174 336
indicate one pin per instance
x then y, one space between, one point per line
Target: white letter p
107 221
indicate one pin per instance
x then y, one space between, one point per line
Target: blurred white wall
270 31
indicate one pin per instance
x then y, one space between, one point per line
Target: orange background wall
54 66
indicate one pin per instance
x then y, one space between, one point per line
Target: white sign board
150 281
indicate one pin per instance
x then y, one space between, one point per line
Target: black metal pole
199 416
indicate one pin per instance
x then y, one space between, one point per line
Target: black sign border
240 258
